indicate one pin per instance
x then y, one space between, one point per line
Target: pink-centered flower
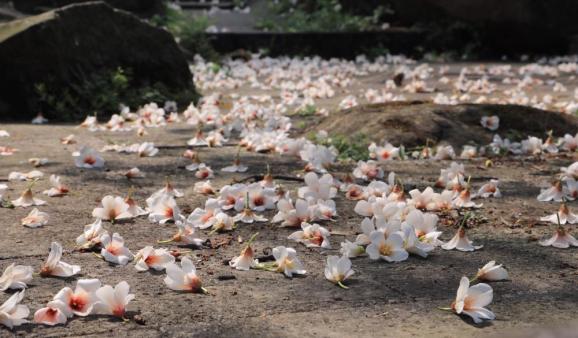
113 208
183 278
312 235
50 315
562 239
113 301
151 258
472 301
205 218
35 219
79 302
88 158
58 189
113 249
90 237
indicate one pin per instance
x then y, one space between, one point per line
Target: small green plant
308 110
301 125
350 148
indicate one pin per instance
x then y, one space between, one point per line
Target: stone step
325 44
191 4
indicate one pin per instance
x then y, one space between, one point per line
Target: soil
414 123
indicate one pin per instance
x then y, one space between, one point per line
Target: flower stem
342 286
252 238
267 267
466 216
445 308
164 241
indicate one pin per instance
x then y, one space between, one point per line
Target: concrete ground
387 300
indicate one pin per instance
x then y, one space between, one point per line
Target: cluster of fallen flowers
89 296
562 189
394 227
303 81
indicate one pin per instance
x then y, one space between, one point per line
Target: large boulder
82 55
145 8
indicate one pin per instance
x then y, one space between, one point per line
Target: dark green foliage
100 93
189 32
318 16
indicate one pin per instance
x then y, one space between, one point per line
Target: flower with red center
113 301
113 249
58 189
50 316
245 260
150 257
164 209
79 302
562 239
554 193
204 218
183 278
113 208
88 158
312 235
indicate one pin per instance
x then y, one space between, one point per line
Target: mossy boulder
84 58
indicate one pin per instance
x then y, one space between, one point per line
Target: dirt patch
413 123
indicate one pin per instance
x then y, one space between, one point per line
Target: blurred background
66 57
